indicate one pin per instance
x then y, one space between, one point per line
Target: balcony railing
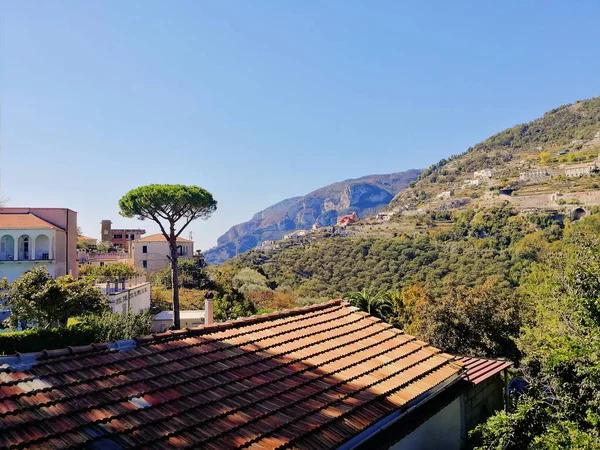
26 257
111 287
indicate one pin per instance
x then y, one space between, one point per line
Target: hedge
86 330
36 340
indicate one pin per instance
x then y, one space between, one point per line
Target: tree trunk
175 280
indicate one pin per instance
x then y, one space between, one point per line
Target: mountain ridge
364 195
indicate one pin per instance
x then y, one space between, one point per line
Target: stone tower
105 231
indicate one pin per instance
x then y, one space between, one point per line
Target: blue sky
258 101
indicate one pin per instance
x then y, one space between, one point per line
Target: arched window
7 248
42 247
24 247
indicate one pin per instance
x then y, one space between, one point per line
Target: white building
33 237
151 253
580 171
534 175
131 294
476 182
483 173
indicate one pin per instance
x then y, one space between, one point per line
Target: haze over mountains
366 196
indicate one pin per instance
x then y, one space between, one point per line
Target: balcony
115 286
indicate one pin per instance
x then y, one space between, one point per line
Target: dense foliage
475 248
109 271
111 327
561 349
37 298
105 327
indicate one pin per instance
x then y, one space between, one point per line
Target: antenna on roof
191 236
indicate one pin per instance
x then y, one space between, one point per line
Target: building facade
151 253
119 237
131 294
32 237
483 173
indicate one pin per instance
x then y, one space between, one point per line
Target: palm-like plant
377 304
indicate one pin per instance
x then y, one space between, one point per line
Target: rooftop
313 377
28 221
159 238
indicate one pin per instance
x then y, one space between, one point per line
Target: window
126 236
145 264
144 249
118 236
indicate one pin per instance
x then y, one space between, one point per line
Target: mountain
529 162
465 219
365 196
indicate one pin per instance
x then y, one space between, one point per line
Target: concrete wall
442 431
158 326
482 400
135 299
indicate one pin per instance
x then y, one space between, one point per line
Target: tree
561 348
37 297
482 320
109 272
191 276
167 205
375 303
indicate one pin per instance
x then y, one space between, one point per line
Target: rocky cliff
365 196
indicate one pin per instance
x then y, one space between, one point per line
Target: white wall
442 431
156 255
136 299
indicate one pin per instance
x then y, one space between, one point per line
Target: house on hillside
32 237
319 377
583 170
476 182
483 173
150 253
348 219
384 217
534 175
445 195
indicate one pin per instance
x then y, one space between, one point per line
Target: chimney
208 308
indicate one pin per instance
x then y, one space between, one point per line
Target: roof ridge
32 215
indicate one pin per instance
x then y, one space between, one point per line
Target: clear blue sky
258 101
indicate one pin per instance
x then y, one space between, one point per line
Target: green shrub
40 339
94 328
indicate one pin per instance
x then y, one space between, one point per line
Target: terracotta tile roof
27 221
310 378
480 369
159 238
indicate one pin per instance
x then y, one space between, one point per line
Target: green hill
563 138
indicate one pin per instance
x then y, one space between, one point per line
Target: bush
49 338
112 327
93 328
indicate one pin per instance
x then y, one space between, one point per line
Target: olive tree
173 207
